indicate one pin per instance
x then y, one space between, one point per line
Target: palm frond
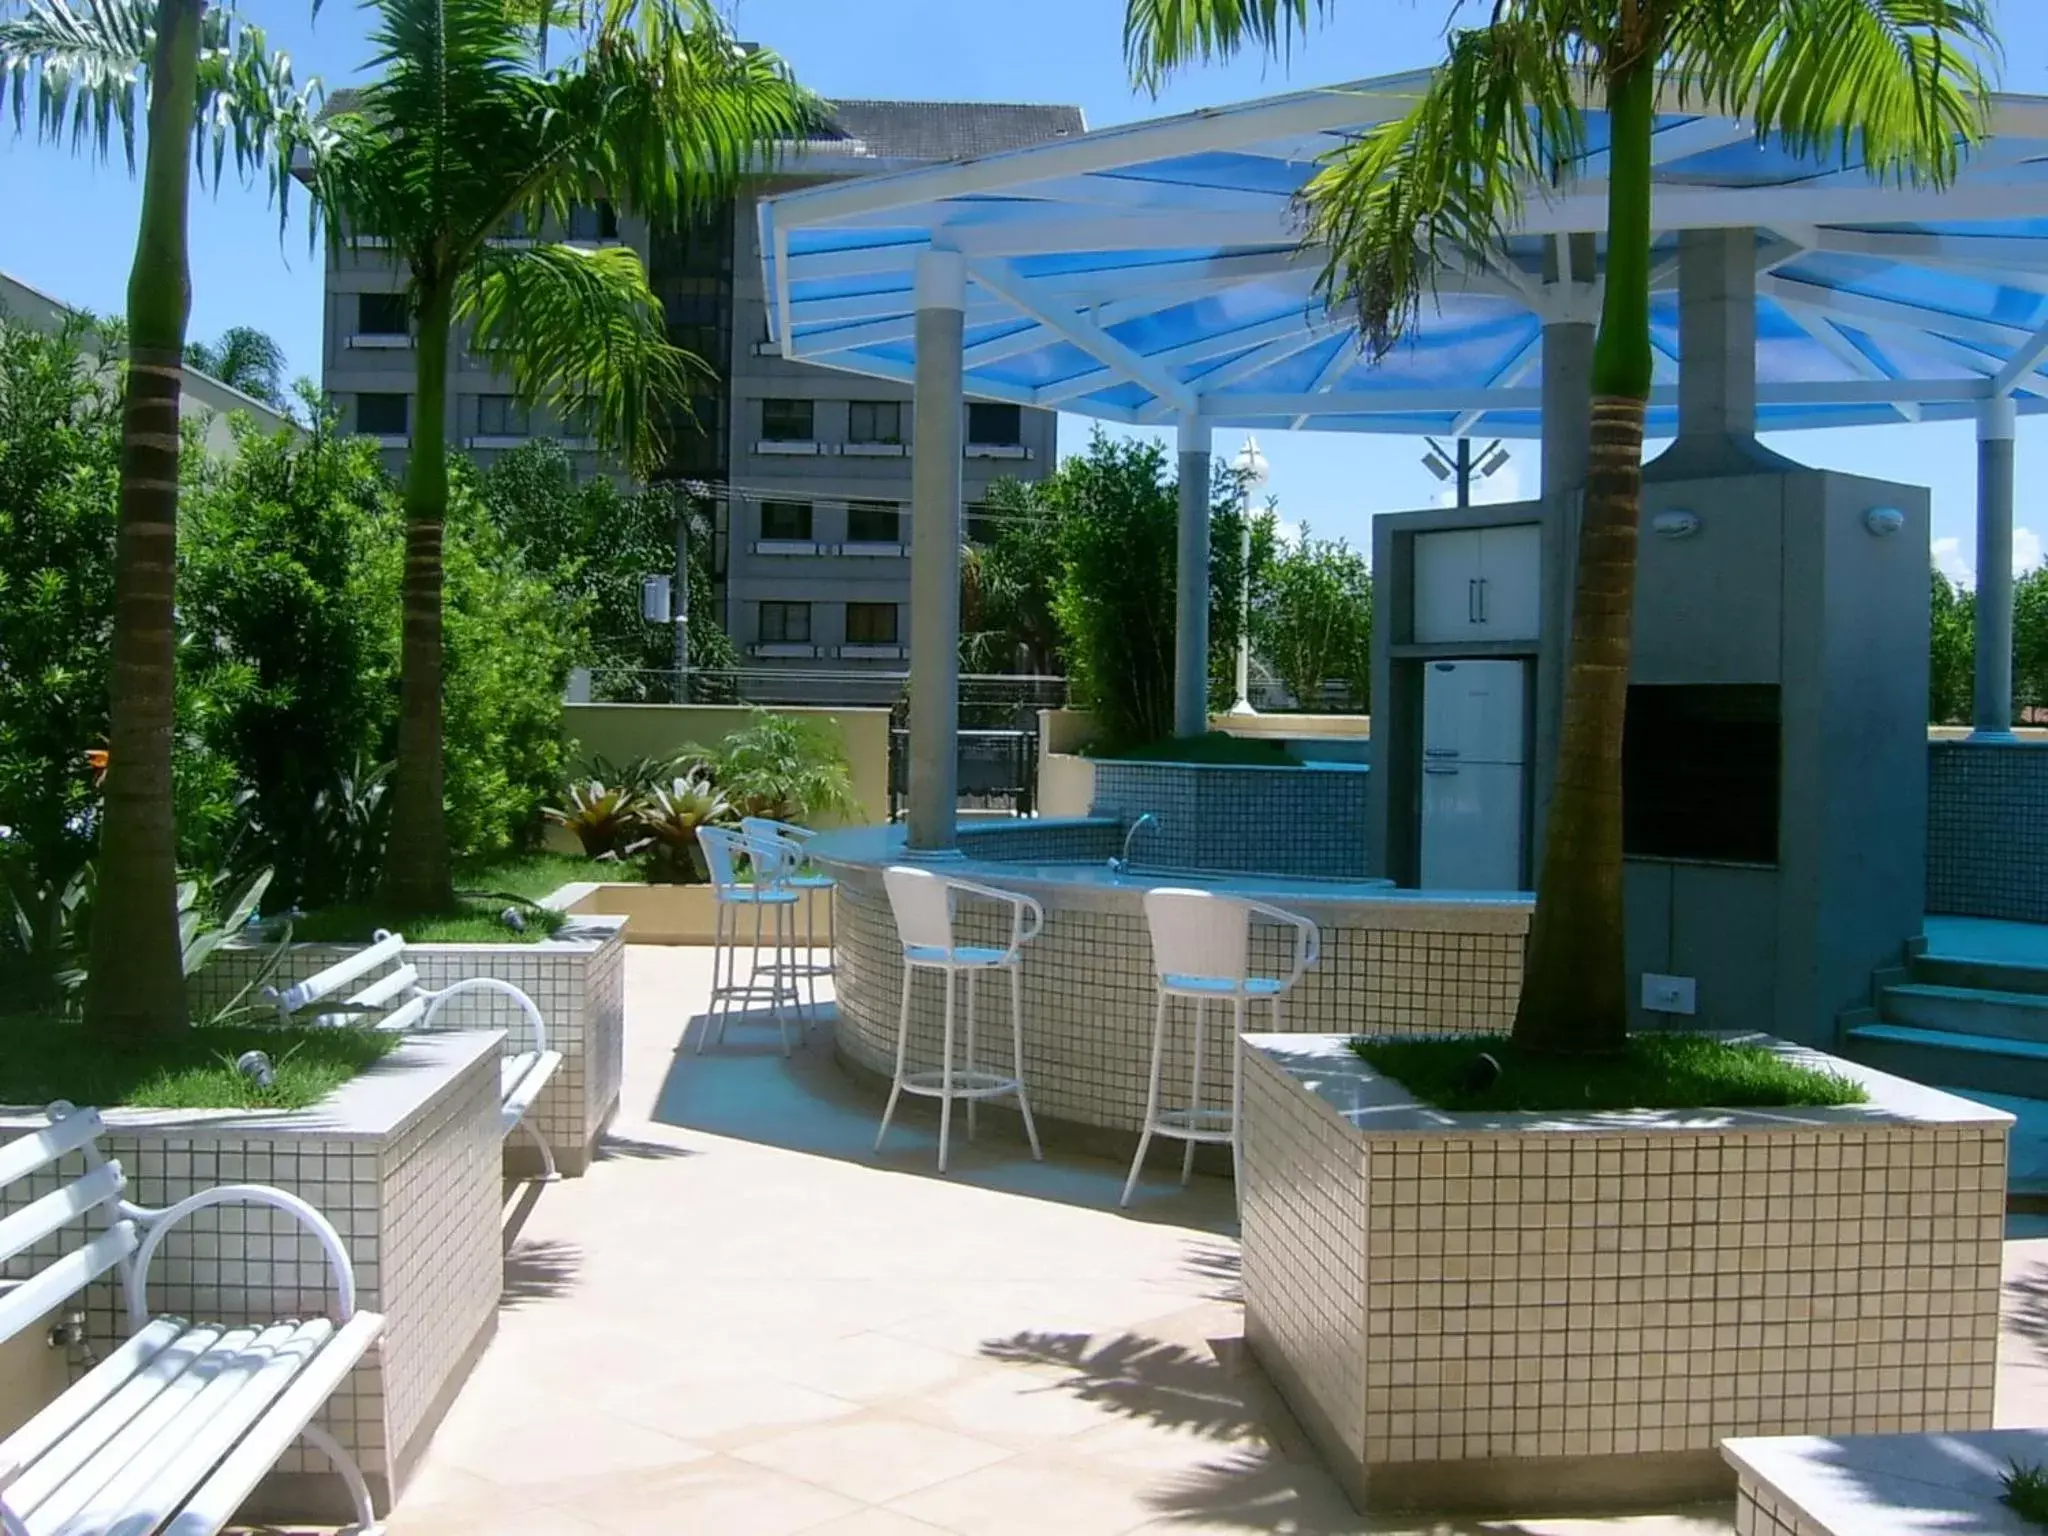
1448 178
89 60
244 358
1162 35
580 332
1900 85
87 66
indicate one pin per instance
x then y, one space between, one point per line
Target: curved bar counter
1393 961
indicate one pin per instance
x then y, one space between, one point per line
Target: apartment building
805 471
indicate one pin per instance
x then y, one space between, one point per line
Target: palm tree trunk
136 985
1574 987
416 867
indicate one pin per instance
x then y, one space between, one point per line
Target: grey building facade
805 471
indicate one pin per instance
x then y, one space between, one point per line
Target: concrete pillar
1191 583
1717 333
1993 712
941 297
1567 404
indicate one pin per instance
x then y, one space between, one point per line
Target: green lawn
477 919
1674 1071
46 1059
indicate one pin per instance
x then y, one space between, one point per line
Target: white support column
1992 716
1191 586
941 296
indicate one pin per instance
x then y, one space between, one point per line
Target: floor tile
876 1459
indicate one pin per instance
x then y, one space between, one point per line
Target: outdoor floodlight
1437 465
1675 524
1884 520
1495 461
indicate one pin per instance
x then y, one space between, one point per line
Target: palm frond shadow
1150 1380
539 1269
615 1148
1221 1269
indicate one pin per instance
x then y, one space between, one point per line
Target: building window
599 221
786 520
870 623
995 426
786 623
502 416
382 314
787 421
981 523
874 522
875 421
383 415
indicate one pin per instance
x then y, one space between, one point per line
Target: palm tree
1503 117
208 85
244 358
469 131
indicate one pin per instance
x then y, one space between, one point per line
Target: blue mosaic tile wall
1283 821
1987 830
1027 842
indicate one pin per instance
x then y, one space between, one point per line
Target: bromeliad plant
469 131
601 816
668 825
1897 85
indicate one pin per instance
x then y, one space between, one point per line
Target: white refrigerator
1472 775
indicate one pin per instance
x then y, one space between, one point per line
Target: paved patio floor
742 1323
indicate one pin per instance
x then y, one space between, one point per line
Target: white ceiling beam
1272 352
1854 306
1825 332
1520 364
1108 149
1128 189
1339 363
1090 338
1524 398
1044 236
854 261
1684 207
2022 364
2017 251
1678 142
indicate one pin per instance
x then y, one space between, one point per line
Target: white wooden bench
174 1429
396 1001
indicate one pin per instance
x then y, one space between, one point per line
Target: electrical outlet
1668 994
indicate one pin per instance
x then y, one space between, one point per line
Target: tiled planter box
1534 1311
1881 1485
578 978
404 1162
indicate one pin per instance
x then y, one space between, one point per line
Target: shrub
784 767
1314 619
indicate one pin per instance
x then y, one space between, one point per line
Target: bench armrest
526 1004
10 1523
157 1223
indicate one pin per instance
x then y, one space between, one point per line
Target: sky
67 225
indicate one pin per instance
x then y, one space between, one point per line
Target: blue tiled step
1952 1058
1982 975
1965 1010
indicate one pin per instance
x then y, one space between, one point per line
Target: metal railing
982 695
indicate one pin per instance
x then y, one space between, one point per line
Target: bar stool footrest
966 1084
1209 1125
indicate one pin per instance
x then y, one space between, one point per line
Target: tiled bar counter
1393 962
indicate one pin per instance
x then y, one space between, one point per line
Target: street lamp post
1459 463
1251 468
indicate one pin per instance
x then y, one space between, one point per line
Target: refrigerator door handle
1439 767
1472 601
1439 751
1481 584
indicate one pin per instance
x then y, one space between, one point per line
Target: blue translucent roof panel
1150 269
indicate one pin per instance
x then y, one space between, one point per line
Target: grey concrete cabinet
1478 584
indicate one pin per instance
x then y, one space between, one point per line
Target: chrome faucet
1122 866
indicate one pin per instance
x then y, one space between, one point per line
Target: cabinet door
1447 586
1510 582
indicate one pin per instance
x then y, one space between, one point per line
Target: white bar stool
723 851
1201 950
924 903
809 884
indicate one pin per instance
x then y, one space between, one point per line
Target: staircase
1973 1022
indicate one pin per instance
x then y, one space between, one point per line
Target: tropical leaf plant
601 816
208 88
470 129
783 767
244 358
1896 86
668 821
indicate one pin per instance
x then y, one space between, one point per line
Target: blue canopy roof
1140 271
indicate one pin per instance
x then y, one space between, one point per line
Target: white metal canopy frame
1154 272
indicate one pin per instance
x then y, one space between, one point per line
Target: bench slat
65 1455
37 1220
405 1016
385 988
216 1501
34 1439
25 1154
519 1092
74 1272
198 1421
338 975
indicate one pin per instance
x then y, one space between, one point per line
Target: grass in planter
535 875
475 919
43 1059
1216 747
1659 1071
2026 1493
